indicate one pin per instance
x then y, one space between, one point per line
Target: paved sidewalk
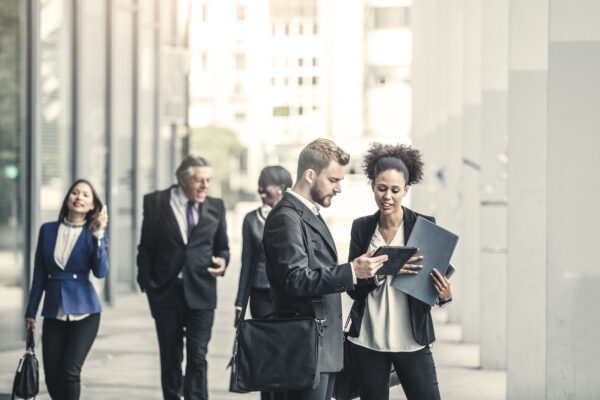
124 361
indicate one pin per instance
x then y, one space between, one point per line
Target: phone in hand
103 211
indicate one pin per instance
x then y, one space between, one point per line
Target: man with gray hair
183 249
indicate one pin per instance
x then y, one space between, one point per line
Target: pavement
124 361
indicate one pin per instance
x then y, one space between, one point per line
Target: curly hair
403 158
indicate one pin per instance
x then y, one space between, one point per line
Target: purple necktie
190 217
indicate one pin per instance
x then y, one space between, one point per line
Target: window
204 61
281 111
240 12
314 61
238 89
300 62
315 81
286 81
204 13
300 81
301 29
239 116
315 29
273 29
240 61
391 17
272 81
300 110
287 29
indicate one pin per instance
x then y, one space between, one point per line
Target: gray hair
185 171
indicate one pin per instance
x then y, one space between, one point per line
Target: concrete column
527 199
573 211
470 173
494 119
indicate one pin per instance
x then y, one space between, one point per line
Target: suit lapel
313 221
171 221
409 222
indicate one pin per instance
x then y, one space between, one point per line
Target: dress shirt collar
311 206
181 198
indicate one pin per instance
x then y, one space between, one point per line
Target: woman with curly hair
390 327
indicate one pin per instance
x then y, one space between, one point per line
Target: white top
179 204
68 233
386 322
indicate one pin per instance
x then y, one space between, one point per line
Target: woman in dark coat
67 251
273 181
390 327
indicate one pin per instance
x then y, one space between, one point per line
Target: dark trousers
261 306
171 316
322 392
65 345
416 371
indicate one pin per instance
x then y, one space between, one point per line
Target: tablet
397 257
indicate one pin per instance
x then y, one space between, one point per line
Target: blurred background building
93 89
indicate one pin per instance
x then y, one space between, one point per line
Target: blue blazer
70 287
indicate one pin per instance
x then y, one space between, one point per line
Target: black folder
436 245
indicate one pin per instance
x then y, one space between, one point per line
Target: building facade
94 90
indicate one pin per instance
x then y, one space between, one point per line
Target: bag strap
316 303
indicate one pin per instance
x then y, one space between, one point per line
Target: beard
319 196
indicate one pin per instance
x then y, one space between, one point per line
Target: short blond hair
318 154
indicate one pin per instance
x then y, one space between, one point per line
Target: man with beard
301 257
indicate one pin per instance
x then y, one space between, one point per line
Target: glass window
55 106
300 62
315 81
314 61
146 99
300 81
240 61
240 12
92 95
11 174
122 212
391 17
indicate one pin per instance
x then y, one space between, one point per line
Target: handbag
346 384
279 352
26 384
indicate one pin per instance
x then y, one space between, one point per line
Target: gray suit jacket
302 265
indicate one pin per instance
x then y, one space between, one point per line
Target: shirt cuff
377 281
99 234
353 273
238 308
443 303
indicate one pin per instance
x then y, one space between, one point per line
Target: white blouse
386 324
68 234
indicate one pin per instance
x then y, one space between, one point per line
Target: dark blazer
302 265
252 234
162 254
70 287
362 230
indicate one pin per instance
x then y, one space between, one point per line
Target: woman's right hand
30 324
409 268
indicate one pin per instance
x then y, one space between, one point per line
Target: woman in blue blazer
67 250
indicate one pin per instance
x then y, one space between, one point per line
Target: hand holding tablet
398 256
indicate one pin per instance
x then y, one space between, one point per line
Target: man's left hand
220 267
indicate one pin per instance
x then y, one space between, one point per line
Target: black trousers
322 392
261 306
65 345
416 371
173 318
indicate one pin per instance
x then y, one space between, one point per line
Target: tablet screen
397 257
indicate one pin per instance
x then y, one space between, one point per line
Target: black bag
26 384
276 353
346 384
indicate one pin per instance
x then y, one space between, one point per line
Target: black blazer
162 253
302 265
362 231
252 234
